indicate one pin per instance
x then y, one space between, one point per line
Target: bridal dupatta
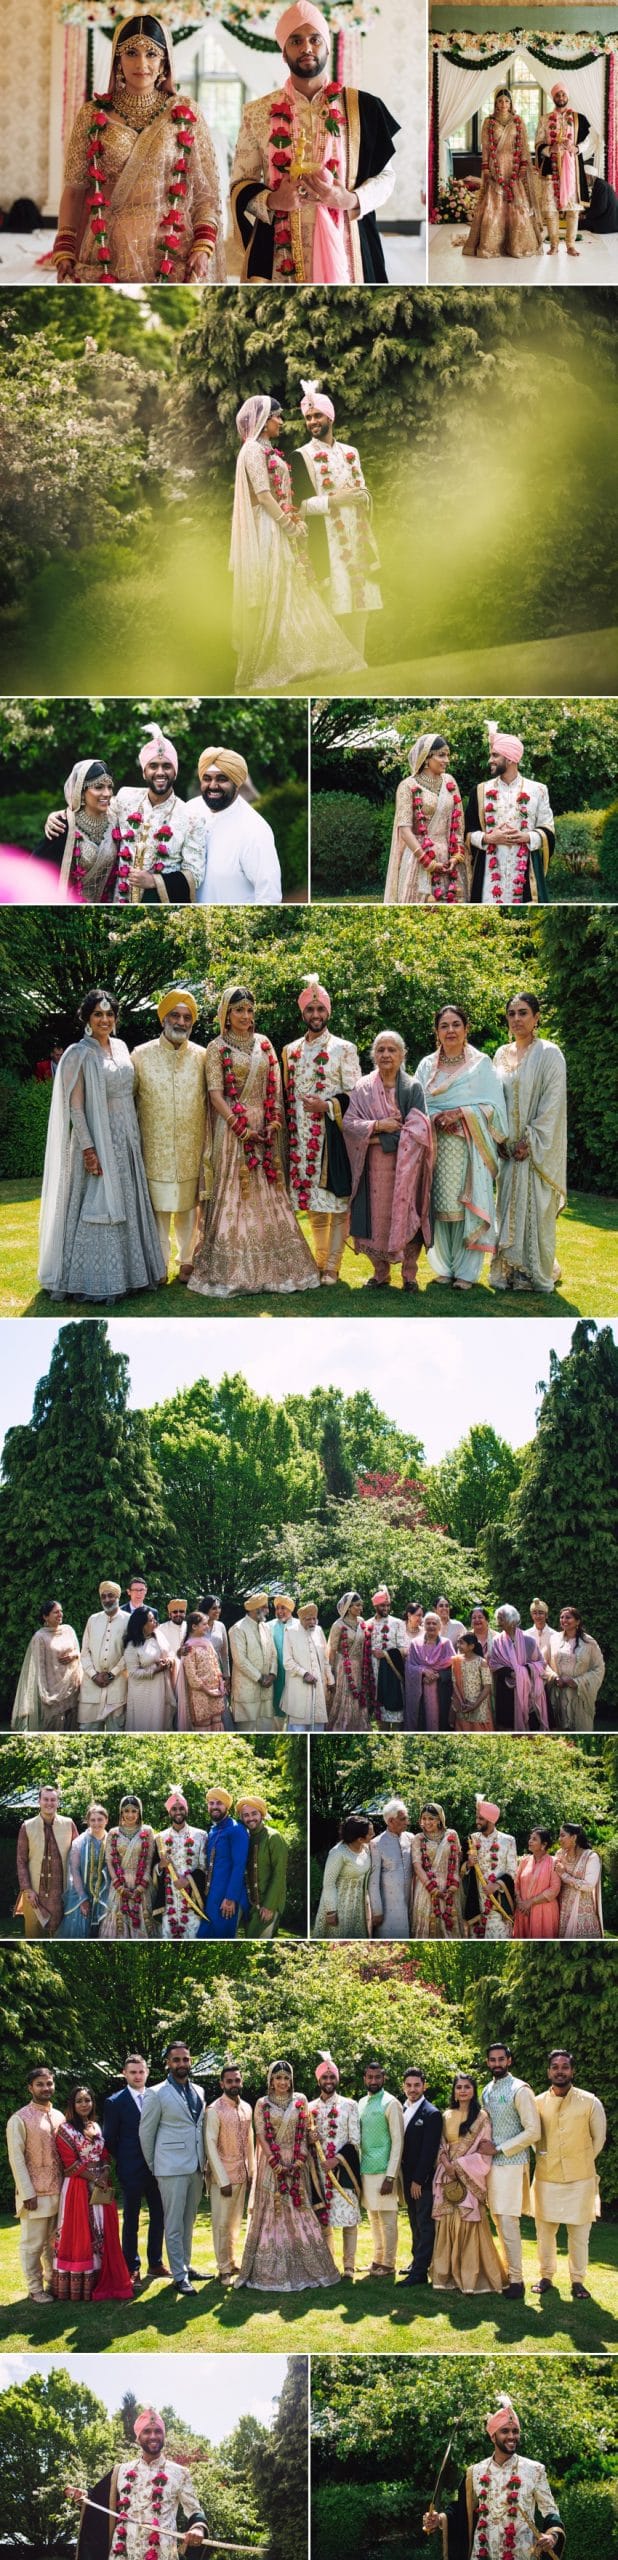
412 1145
103 1202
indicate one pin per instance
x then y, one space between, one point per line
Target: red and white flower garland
184 119
443 888
494 1855
361 1689
78 874
126 850
442 1897
555 138
302 1183
254 1153
510 2528
130 1896
356 551
522 851
178 1923
281 145
506 184
288 2179
157 2493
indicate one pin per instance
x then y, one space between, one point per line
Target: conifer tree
561 1529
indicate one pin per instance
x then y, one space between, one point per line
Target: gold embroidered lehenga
505 222
251 1238
138 155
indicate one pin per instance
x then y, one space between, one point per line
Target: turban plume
312 990
499 2416
175 1798
325 2066
233 766
313 398
157 745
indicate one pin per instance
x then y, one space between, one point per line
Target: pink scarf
329 263
412 1193
509 1653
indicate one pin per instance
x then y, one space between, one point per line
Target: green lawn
586 1251
366 2316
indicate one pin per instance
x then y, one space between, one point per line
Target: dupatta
103 1203
472 1088
412 1146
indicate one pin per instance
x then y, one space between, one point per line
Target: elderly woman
47 1694
471 1709
579 1869
98 1235
285 2249
518 1669
83 844
427 862
578 1670
343 1909
251 1238
140 200
533 1155
282 629
436 1859
428 1677
468 1113
349 1703
388 1142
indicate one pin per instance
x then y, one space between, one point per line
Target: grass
369 2315
586 1251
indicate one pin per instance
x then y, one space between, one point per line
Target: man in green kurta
381 2123
266 1869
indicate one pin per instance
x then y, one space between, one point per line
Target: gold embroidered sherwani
310 149
170 1100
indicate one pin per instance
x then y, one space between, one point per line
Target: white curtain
462 93
258 71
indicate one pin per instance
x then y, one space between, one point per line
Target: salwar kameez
531 1188
537 1919
466 1161
579 1671
344 1894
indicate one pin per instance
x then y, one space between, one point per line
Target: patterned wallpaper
25 53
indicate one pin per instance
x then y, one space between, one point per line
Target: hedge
345 845
24 1114
284 806
609 849
353 2517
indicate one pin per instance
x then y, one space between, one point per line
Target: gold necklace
139 107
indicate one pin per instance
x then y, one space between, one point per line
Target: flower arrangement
238 15
126 850
78 874
507 185
157 2493
454 202
302 1175
281 151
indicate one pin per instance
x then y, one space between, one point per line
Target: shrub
608 849
284 806
590 2517
345 845
24 1113
577 840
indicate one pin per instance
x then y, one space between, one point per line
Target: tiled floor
19 255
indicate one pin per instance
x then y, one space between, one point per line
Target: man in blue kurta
226 1860
285 1616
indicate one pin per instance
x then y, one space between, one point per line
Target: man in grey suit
172 2138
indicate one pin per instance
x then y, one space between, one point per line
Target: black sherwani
370 132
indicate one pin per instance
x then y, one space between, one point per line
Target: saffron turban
176 995
486 1812
310 989
233 766
501 745
325 2066
315 399
498 2416
157 745
256 1599
284 1600
303 14
175 1603
176 1797
106 1585
149 2418
222 1794
250 1798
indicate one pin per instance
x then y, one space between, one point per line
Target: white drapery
461 94
258 71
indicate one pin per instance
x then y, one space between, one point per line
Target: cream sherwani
38 2176
534 2501
253 1656
329 1211
573 2133
186 849
230 2152
103 1650
171 1102
135 2477
305 1650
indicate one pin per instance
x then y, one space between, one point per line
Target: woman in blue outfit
87 1891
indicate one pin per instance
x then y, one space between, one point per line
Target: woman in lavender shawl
518 1657
427 1685
388 1141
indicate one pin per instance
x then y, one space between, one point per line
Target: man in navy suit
422 2129
121 2124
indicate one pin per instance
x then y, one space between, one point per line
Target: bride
141 191
282 628
505 222
427 861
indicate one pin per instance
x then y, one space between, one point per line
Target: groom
307 152
509 830
328 484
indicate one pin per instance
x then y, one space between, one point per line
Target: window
216 90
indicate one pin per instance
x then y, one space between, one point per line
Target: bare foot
573 253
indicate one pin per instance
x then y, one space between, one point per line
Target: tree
278 2466
369 1437
356 1544
471 1486
560 1531
50 2430
234 1468
76 1480
571 744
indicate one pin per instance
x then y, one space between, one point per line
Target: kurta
43 1850
437 1913
466 1161
579 1666
409 879
465 2258
251 1239
138 168
265 1880
227 1850
33 2157
381 2122
242 863
349 558
428 1682
364 152
389 1884
537 1919
573 2132
388 1642
391 1172
329 1066
285 2250
304 1650
337 2122
344 1893
253 1658
532 1189
471 1707
520 802
48 1689
348 1705
103 1650
167 845
171 1105
515 2125
183 1851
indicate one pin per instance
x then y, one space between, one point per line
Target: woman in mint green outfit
467 1109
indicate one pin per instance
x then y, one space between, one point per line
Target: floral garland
361 1689
522 851
177 1925
443 891
130 1896
302 1183
512 2502
279 473
238 15
281 141
252 1159
554 137
487 1897
288 2180
507 184
357 554
330 2155
126 850
157 2493
442 1899
78 874
183 117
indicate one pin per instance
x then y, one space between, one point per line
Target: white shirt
411 2108
242 864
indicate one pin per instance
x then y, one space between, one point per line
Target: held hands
433 2520
91 1162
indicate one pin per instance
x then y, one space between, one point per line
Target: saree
251 1238
532 1188
200 1691
138 169
285 2249
465 2257
513 1655
87 2235
47 1693
467 1162
388 1212
427 1687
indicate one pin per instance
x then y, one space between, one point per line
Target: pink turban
487 1812
560 90
312 988
504 2410
149 2418
382 1593
500 745
315 399
325 2066
157 745
176 1798
303 14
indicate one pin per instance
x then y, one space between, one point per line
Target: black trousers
422 2228
143 2191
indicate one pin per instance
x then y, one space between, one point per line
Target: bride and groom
303 557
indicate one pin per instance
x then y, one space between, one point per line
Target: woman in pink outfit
537 1890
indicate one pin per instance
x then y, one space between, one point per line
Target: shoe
514 2293
410 1288
580 2293
38 2297
184 2286
412 2279
197 2275
544 2285
160 2270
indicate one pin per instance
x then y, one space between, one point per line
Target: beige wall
25 53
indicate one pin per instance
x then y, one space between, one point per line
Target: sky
434 1379
210 2392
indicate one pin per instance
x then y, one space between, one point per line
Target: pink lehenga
465 2257
251 1238
285 2249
